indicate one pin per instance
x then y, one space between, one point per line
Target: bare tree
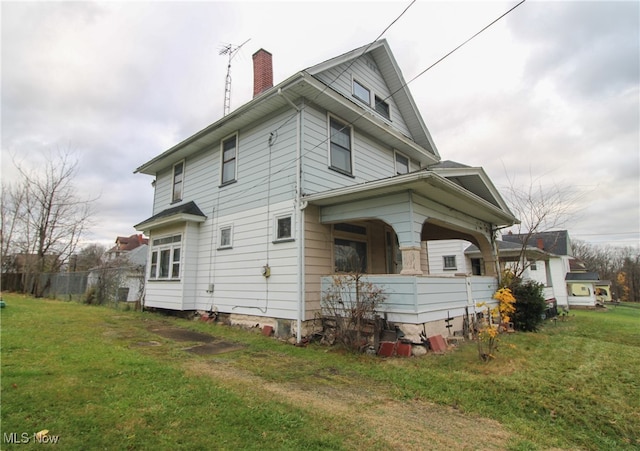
89 257
539 209
44 217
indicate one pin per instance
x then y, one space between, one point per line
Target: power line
404 85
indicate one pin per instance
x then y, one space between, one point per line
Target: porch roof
188 212
430 185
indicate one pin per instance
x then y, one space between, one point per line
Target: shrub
530 306
350 305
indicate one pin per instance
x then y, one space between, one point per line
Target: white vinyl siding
236 273
364 70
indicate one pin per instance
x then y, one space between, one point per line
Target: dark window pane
350 256
284 227
164 263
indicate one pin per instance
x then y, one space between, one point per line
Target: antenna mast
230 50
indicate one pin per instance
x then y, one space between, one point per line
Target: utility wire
349 124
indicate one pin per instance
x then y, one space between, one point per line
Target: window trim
380 100
276 229
227 138
220 229
354 82
444 263
395 162
173 242
173 182
331 117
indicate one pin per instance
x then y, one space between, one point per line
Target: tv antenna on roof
230 50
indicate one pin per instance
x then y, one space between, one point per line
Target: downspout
299 218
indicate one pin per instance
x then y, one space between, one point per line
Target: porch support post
411 261
424 257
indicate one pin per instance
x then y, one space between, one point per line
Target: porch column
424 257
411 261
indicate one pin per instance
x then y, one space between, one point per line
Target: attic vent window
360 92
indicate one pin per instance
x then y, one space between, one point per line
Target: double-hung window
402 164
229 159
340 150
178 178
166 257
382 107
361 92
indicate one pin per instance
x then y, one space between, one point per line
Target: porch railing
419 299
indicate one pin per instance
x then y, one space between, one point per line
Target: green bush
529 305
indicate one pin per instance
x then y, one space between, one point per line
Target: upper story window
361 92
382 107
178 178
449 262
229 159
166 257
402 164
340 149
533 265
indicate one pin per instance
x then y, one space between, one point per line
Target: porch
425 299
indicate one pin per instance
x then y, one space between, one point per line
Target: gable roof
556 242
391 73
303 84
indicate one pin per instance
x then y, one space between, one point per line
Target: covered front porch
382 229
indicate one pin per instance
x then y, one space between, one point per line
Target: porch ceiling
424 183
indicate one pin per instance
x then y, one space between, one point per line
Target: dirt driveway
374 415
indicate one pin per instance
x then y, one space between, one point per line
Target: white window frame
222 162
444 263
379 99
173 182
220 230
276 222
331 117
164 243
395 162
354 82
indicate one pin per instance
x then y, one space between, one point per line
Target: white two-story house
253 214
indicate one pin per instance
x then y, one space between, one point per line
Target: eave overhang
180 214
424 183
300 85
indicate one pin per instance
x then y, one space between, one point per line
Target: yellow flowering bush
496 320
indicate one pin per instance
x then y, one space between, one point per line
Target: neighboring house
585 288
253 215
545 259
125 244
122 278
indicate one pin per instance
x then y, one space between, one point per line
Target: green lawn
89 376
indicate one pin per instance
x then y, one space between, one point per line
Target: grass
79 371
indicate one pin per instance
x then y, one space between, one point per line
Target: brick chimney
262 72
540 243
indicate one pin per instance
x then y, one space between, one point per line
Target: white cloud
550 91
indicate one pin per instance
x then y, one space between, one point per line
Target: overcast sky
549 93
